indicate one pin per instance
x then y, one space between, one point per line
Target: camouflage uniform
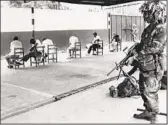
151 65
150 58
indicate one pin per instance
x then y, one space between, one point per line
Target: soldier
134 32
150 57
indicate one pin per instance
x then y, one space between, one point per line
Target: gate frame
142 25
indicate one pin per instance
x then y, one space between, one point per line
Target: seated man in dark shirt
33 51
94 44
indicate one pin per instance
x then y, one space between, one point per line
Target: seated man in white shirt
10 56
94 45
38 42
72 41
45 43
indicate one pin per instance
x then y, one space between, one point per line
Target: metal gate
122 25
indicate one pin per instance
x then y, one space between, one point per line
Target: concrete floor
23 87
29 85
91 106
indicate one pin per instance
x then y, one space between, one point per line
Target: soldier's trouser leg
145 114
149 94
149 87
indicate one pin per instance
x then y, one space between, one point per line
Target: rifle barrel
111 71
123 61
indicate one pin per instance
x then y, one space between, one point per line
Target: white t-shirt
47 42
14 44
95 39
73 40
38 42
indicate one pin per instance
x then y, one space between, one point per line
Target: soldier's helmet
155 7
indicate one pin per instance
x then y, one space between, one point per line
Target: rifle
123 61
164 114
132 79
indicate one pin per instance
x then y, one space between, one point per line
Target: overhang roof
97 2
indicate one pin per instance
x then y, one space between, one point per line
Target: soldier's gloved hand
142 52
132 53
130 60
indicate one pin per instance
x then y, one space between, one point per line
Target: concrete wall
19 19
58 25
59 37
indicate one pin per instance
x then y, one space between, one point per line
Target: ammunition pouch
160 61
147 63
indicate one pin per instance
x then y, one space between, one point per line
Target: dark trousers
11 59
94 47
31 54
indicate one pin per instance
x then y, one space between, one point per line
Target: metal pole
111 27
167 18
33 20
126 27
140 28
116 31
131 29
121 33
166 30
108 27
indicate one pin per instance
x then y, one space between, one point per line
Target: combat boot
153 119
144 115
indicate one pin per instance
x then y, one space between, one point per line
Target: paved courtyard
23 87
28 85
90 106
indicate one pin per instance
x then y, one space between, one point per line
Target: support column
167 28
33 20
108 27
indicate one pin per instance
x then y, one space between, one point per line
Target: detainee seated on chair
115 42
10 57
72 41
33 51
45 43
94 44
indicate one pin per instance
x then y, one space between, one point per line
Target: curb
24 109
30 107
66 94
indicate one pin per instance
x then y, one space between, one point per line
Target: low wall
59 37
